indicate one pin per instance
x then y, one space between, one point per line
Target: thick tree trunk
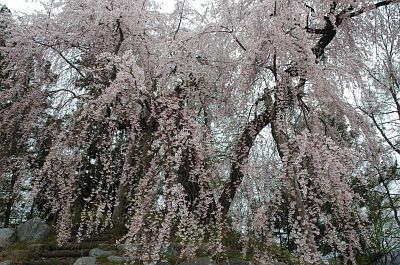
10 202
194 188
119 209
137 157
240 157
139 149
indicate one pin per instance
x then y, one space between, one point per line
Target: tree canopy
268 117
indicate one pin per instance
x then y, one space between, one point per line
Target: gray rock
170 251
7 236
7 262
199 261
98 252
163 263
85 261
120 259
234 262
242 262
34 230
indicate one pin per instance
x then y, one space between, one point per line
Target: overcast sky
25 6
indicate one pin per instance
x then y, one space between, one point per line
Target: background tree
24 124
13 166
8 182
379 101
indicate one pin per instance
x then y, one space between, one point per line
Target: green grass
105 261
18 252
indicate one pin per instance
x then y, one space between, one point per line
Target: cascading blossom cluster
319 175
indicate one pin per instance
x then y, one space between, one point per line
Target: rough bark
10 201
241 154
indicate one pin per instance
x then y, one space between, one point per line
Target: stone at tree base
7 262
242 262
7 236
170 251
33 231
163 263
120 259
98 252
86 261
199 261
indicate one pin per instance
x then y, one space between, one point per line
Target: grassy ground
20 252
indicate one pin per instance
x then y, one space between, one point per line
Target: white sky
24 6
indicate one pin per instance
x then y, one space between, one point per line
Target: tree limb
241 154
391 202
330 29
121 37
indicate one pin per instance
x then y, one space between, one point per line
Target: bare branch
180 21
330 29
388 195
371 7
62 56
389 142
121 37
